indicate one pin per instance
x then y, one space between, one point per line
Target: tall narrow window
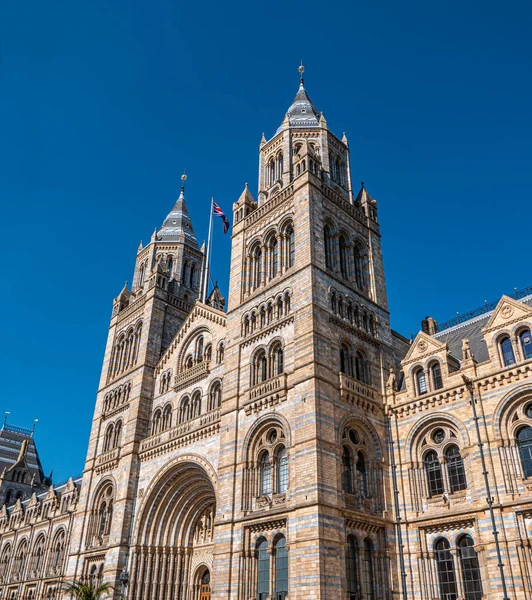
507 352
351 568
526 343
263 580
265 475
192 273
347 471
437 381
421 380
361 370
471 578
455 469
282 471
362 474
291 246
358 265
367 571
275 257
343 257
281 569
277 361
257 259
327 246
280 166
434 474
446 573
524 442
346 360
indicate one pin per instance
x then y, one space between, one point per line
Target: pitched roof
472 330
177 226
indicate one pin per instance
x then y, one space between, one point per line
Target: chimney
429 325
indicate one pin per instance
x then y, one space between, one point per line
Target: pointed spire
302 113
344 140
177 226
140 247
246 197
263 140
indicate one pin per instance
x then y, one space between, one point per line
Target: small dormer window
303 110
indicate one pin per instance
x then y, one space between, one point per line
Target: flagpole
207 259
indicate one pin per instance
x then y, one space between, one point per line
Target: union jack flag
218 212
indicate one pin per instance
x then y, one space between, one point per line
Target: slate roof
177 226
302 113
11 438
472 330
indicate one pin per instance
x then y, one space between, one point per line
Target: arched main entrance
173 540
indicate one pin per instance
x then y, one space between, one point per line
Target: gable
424 345
201 314
507 312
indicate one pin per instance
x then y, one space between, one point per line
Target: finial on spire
362 184
183 179
301 70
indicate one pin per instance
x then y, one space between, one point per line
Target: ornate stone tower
144 321
303 439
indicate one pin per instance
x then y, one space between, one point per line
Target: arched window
260 372
265 474
192 273
263 579
280 165
471 578
277 361
507 350
196 405
434 474
358 264
271 171
58 551
9 495
524 442
343 257
347 471
199 349
20 559
368 582
351 568
257 267
108 438
455 469
156 422
185 272
526 343
167 417
274 248
281 568
38 555
221 352
362 474
446 572
282 470
118 434
346 360
215 396
361 368
327 243
4 561
435 371
421 382
184 410
291 254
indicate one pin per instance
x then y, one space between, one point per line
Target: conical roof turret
302 112
177 227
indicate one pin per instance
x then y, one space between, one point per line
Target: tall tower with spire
303 454
144 321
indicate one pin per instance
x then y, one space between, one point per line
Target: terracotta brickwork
293 446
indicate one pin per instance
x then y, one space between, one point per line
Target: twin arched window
113 435
437 484
361 581
421 379
280 570
507 349
274 473
469 565
215 396
266 366
354 364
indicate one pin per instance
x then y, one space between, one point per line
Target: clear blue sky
102 104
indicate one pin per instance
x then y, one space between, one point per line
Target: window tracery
354 363
267 363
117 397
352 312
125 350
101 516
